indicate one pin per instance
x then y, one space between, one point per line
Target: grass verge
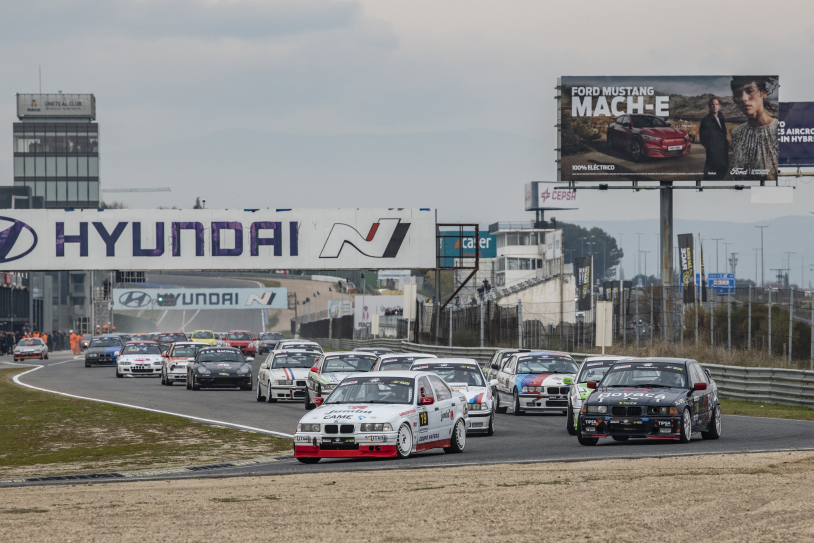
760 409
43 433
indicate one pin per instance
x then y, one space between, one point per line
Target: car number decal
423 419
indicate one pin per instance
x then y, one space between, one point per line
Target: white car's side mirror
190 360
493 383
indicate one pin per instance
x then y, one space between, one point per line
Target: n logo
383 241
265 299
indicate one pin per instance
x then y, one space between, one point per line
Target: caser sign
33 240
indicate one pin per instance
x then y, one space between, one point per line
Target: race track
517 439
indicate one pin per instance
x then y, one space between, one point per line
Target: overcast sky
170 71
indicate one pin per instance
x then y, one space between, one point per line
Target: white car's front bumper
140 370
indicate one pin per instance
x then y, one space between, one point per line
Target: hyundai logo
16 241
135 298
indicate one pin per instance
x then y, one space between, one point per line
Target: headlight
308 427
526 390
476 406
651 138
662 410
125 362
245 368
596 408
93 355
202 369
379 427
283 382
328 388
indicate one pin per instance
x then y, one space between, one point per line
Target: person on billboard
755 141
713 138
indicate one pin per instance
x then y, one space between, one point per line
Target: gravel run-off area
750 497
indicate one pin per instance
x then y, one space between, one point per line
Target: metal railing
769 385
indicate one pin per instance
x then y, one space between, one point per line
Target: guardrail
770 385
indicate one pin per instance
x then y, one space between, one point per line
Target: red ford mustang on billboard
668 128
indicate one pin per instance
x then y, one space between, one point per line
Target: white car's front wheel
404 441
458 441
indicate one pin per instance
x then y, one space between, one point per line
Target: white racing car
176 358
533 382
139 358
331 369
31 347
383 414
283 375
464 375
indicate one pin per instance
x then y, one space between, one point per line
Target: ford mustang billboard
668 128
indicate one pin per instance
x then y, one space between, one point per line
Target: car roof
450 361
407 355
608 358
241 331
285 351
219 347
182 343
355 353
395 373
141 341
196 331
168 333
661 359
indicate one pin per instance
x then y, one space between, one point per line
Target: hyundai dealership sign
170 239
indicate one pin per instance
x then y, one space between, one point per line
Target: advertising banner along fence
199 298
686 258
217 239
583 270
796 134
668 128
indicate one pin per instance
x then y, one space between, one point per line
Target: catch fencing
769 385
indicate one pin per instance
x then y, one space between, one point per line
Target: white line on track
190 417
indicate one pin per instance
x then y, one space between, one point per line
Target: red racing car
243 340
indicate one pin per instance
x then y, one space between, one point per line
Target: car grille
556 403
671 153
558 390
300 383
346 429
141 371
621 411
337 429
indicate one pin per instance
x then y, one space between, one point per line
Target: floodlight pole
666 249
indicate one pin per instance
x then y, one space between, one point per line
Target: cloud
151 19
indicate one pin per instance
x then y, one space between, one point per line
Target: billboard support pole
666 249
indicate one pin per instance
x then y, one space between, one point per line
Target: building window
29 166
62 191
83 191
512 239
40 189
62 166
51 166
501 240
501 264
83 166
72 166
93 191
19 166
93 166
524 238
71 191
51 191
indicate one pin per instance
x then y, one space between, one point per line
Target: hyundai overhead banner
668 128
797 134
686 259
582 270
217 239
199 298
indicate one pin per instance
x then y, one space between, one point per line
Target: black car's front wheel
714 430
587 440
570 423
685 432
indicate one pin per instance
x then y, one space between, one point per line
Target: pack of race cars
376 403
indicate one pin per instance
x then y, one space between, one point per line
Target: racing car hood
289 374
152 358
541 379
26 349
334 378
358 412
637 396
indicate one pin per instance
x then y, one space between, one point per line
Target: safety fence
770 385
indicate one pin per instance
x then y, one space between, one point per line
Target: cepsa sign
542 196
668 128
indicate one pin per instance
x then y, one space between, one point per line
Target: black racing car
653 398
103 351
267 341
217 367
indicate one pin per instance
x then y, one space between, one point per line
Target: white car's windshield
646 375
187 351
454 373
294 360
348 363
594 371
220 355
145 348
396 364
545 364
373 390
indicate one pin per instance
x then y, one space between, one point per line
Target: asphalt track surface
217 320
529 438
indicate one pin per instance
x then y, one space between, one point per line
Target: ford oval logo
16 241
135 299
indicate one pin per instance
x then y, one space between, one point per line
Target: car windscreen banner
796 134
686 256
582 269
668 128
